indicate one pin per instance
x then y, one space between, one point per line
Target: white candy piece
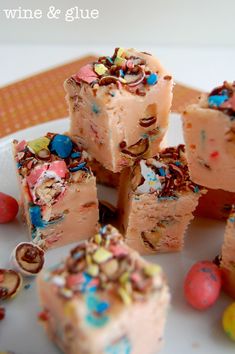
27 258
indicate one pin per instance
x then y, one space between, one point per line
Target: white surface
187 330
184 22
200 67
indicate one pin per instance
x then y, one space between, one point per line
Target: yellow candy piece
100 69
69 309
119 61
102 255
39 144
98 239
124 296
152 269
88 259
124 277
228 321
92 270
120 52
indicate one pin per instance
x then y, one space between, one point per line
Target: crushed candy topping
104 266
222 98
47 165
166 174
123 69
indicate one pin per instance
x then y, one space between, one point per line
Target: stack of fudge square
94 301
209 134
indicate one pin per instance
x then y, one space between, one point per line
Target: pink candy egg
8 208
202 285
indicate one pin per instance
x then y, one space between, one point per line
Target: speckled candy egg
228 321
202 285
61 145
8 208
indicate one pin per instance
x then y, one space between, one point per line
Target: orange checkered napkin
40 98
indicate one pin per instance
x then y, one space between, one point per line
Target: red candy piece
8 208
202 285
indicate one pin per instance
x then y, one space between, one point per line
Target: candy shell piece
202 285
86 74
100 69
39 144
61 145
10 283
152 79
8 208
27 258
228 321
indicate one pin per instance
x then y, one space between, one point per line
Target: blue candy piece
35 216
78 167
102 306
87 285
95 108
95 321
110 60
123 346
217 100
152 79
61 145
196 189
161 171
121 73
94 304
177 163
75 155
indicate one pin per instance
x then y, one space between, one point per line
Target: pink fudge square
58 190
120 104
209 132
102 296
156 202
228 256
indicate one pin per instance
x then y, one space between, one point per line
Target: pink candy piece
35 174
118 251
86 74
135 277
230 103
94 282
59 167
130 64
202 285
21 146
74 279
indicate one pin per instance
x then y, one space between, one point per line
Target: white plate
187 330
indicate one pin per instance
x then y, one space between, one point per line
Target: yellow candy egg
229 321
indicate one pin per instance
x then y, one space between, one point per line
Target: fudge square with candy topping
227 264
58 190
104 298
209 132
120 104
156 202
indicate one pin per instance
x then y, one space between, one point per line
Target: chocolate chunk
147 122
10 283
137 149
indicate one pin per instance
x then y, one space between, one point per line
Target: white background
194 39
153 22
